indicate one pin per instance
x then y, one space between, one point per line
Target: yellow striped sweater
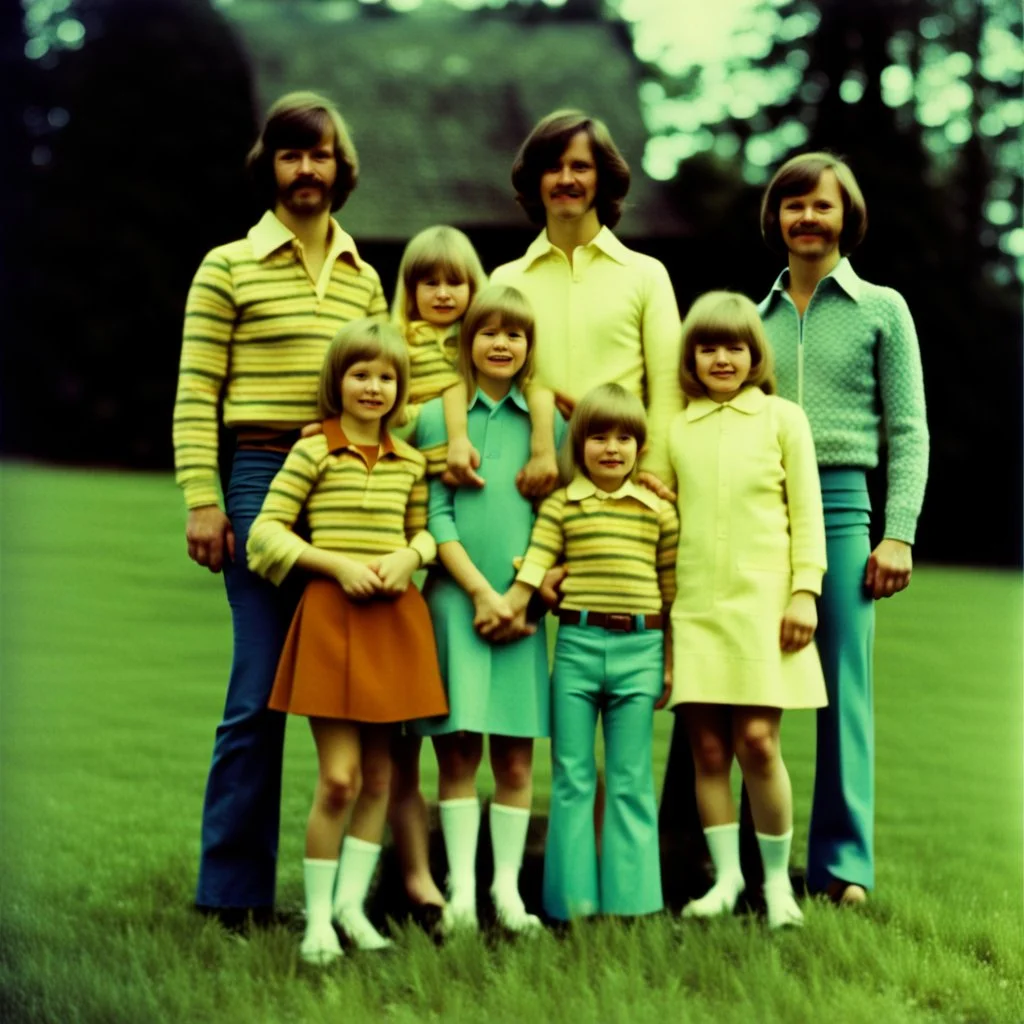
362 513
620 548
256 329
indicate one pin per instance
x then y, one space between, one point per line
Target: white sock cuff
785 837
355 844
463 801
317 863
511 812
733 826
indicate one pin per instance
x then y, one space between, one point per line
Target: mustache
566 190
309 181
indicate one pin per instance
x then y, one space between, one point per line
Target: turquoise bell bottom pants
841 843
619 675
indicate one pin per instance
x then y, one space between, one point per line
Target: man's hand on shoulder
210 537
652 483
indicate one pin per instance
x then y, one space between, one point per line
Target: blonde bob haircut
300 120
497 305
601 409
435 250
800 175
718 317
358 341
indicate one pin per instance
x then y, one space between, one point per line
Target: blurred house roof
438 102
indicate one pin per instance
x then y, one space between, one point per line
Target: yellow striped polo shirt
362 512
256 330
433 352
620 548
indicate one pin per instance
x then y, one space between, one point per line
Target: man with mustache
847 352
258 319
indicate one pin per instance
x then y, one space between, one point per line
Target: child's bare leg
512 763
458 758
338 782
756 738
360 851
407 816
710 729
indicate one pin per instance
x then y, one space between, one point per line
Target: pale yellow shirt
609 317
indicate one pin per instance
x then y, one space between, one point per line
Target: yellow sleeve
661 338
273 547
546 541
803 498
668 542
416 522
210 314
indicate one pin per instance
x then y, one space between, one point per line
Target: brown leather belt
616 622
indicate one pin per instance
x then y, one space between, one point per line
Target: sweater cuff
531 574
900 524
425 546
201 491
807 578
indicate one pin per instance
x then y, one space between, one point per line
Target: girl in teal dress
493 663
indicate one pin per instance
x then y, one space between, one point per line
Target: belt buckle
619 622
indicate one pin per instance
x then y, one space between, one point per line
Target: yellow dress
752 532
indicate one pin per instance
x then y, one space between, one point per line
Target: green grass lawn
114 658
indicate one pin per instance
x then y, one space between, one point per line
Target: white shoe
512 914
459 917
718 901
357 929
781 905
320 946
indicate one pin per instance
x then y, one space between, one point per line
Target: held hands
516 598
209 537
889 568
395 571
799 622
491 611
463 463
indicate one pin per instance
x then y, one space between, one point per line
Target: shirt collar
605 240
337 441
842 273
582 487
750 400
514 395
270 234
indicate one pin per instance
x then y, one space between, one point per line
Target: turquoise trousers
841 844
618 675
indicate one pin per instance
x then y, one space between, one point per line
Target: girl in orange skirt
360 653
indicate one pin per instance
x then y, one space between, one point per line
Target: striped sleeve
210 315
668 542
546 541
416 523
273 547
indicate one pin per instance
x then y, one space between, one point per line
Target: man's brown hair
299 120
548 141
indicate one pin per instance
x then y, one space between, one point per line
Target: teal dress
492 688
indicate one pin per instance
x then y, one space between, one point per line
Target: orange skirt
361 661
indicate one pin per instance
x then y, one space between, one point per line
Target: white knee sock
355 872
509 826
460 823
724 846
319 944
779 899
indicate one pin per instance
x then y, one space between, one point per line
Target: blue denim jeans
237 866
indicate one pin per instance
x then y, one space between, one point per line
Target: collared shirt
620 548
853 364
749 497
362 511
433 352
256 330
610 316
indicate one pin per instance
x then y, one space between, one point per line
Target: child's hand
395 570
799 622
463 462
356 579
889 568
550 588
652 483
491 611
513 630
537 479
564 404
